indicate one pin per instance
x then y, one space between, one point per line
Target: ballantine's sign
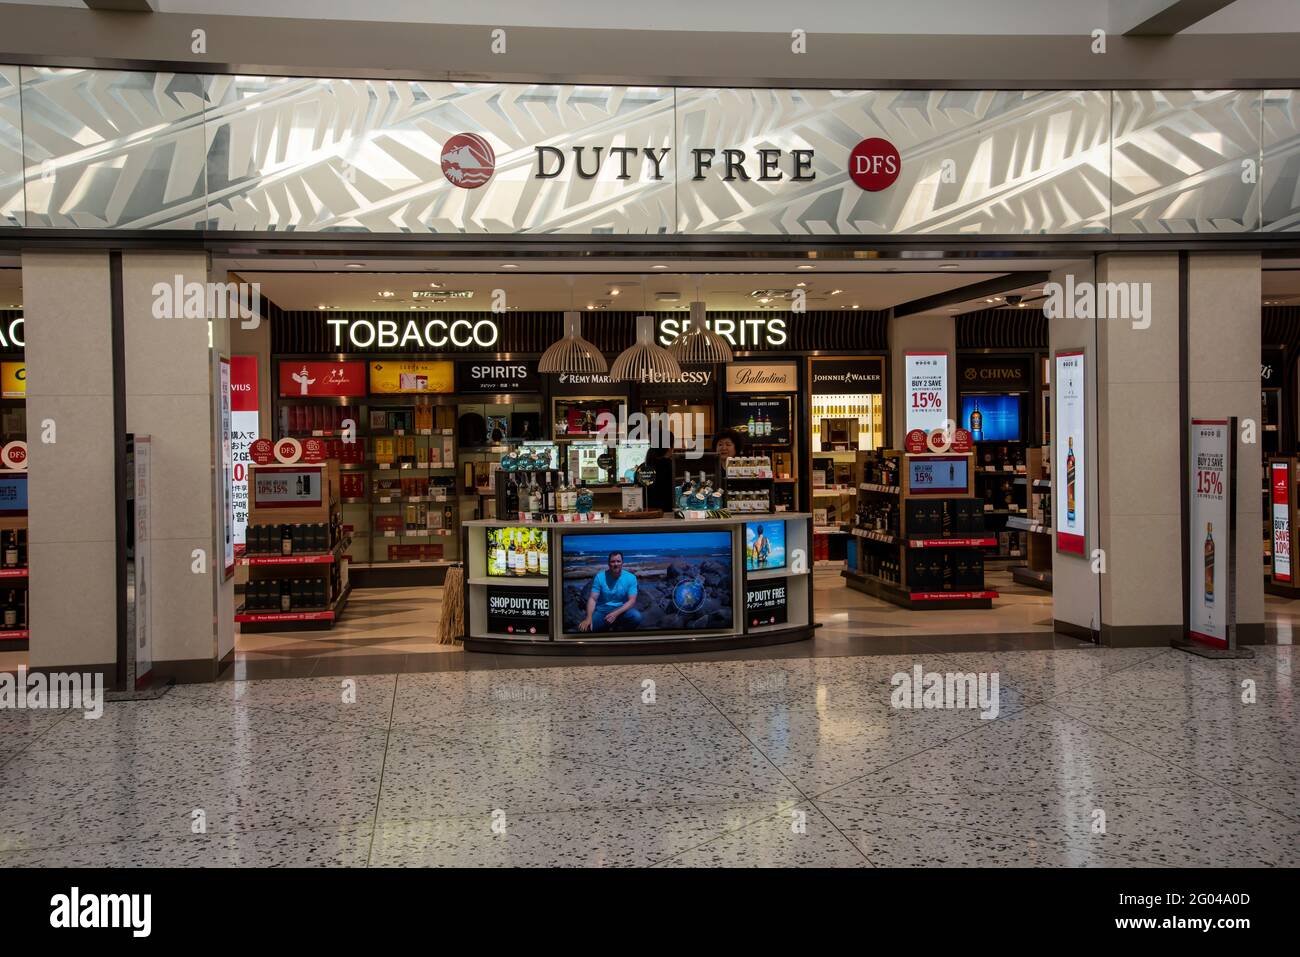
763 377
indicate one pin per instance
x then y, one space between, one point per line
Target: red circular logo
260 452
874 164
468 160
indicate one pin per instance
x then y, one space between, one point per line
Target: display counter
650 586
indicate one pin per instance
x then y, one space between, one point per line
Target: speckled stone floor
1097 757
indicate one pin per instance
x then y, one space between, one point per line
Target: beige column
72 554
922 333
1139 457
169 396
1223 349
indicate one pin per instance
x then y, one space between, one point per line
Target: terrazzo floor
1097 757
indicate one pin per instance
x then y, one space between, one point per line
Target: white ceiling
618 291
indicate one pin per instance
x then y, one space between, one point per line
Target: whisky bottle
976 422
1069 482
9 540
1209 564
11 610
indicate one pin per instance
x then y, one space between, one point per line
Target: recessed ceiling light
947 265
801 284
509 265
659 267
386 294
590 307
356 265
855 305
806 266
615 291
836 292
436 285
322 307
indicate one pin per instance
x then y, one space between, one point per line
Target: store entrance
414 394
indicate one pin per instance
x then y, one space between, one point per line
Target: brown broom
451 627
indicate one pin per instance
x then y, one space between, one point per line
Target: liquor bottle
976 423
512 496
9 542
584 499
749 428
534 497
543 554
286 600
1209 563
1069 482
548 494
511 562
448 517
534 560
286 539
494 552
11 610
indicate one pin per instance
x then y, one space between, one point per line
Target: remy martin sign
763 377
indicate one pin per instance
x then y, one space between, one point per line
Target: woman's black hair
729 434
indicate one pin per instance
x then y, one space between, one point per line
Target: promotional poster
764 545
767 602
927 388
646 582
521 612
1210 532
1070 473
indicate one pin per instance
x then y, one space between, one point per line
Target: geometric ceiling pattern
102 149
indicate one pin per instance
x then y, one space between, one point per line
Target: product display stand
928 552
1000 480
749 482
1037 525
13 585
295 553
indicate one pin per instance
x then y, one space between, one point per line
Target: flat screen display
764 545
760 420
630 455
518 552
13 493
937 474
646 582
991 418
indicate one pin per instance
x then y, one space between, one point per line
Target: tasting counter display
644 586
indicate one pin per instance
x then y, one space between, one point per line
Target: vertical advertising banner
1069 464
1280 496
1211 535
927 390
227 470
244 426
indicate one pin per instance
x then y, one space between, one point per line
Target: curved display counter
649 586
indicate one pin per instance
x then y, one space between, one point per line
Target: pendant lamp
699 345
572 353
645 361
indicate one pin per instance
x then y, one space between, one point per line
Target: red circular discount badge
261 452
914 444
313 451
288 451
14 455
961 441
874 164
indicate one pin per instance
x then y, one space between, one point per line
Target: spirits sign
1210 536
1280 496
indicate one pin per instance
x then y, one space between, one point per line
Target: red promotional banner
914 444
243 384
1281 522
262 452
322 378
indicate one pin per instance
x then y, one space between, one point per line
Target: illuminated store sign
766 332
414 335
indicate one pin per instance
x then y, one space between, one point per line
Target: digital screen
764 545
646 582
630 455
520 612
13 494
991 418
517 552
286 487
546 452
760 421
937 474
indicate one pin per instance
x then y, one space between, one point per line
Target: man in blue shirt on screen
610 601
